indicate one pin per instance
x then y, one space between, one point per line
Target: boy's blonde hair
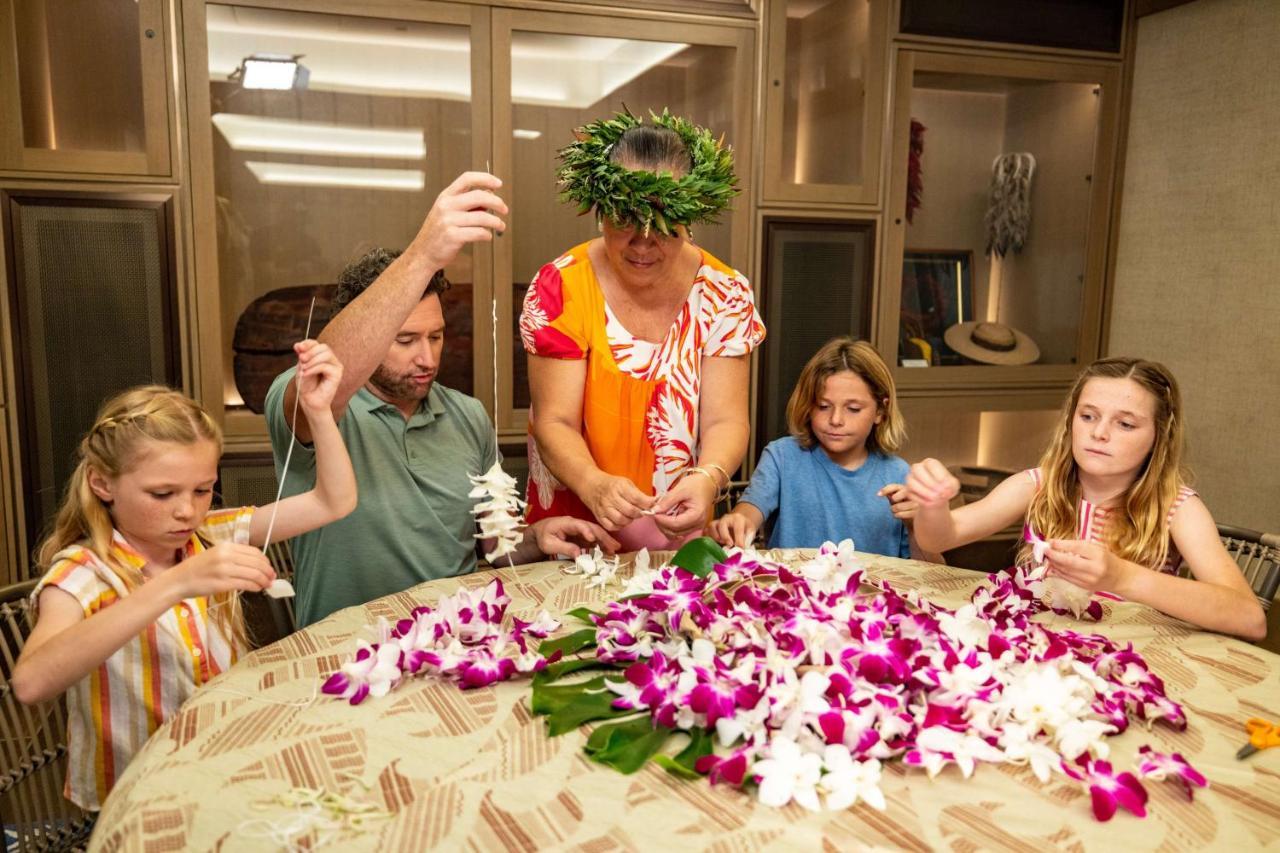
124 426
862 360
1137 530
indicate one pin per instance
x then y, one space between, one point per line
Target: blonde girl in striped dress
1111 498
139 603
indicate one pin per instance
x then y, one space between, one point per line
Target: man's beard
399 386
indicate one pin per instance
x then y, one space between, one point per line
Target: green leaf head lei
589 179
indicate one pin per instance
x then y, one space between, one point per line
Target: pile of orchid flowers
802 681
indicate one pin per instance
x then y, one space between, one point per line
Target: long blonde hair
125 424
862 360
1137 530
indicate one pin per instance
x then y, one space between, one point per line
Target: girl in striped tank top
139 603
1111 499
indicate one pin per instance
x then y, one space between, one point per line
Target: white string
493 328
312 809
293 423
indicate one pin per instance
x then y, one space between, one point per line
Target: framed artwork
937 292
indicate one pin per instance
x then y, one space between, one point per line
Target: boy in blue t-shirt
835 476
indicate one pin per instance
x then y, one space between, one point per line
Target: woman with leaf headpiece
638 339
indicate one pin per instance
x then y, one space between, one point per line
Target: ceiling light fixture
280 72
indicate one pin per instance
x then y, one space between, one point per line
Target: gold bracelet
720 494
724 473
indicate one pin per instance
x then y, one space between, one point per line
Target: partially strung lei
648 200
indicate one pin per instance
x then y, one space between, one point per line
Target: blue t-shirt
818 501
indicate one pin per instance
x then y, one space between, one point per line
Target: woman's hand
900 503
319 374
930 484
685 507
615 501
1088 565
224 567
733 529
568 536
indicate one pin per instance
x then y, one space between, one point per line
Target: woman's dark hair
365 270
653 149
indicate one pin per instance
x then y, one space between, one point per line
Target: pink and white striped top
1093 520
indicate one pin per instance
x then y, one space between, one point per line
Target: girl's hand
733 529
615 501
224 567
684 509
930 484
319 374
900 503
571 536
1087 564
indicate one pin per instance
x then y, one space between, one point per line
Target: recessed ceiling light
298 174
262 133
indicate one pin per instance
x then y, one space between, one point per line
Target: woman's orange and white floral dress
640 405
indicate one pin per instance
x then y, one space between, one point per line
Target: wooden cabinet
84 87
824 100
8 521
973 118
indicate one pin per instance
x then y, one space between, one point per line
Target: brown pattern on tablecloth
475 770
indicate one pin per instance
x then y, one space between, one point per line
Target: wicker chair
1257 555
269 619
33 750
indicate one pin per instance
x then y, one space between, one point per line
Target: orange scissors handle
1263 734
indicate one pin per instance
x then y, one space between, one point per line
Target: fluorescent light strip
298 174
258 133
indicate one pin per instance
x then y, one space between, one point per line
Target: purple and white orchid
810 676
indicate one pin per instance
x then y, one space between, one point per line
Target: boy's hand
733 529
319 373
930 484
224 567
900 503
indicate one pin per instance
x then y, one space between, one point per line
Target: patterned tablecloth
473 769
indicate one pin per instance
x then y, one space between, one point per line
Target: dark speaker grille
247 483
94 319
815 290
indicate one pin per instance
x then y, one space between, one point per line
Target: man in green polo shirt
413 442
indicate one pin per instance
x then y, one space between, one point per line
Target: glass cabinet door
824 97
554 73
371 118
998 218
84 86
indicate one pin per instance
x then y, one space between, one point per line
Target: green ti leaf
626 746
583 709
700 744
568 644
583 613
699 556
547 698
552 671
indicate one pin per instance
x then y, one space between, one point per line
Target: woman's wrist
703 473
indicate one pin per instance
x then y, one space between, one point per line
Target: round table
475 769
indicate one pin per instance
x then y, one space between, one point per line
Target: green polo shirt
413 520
